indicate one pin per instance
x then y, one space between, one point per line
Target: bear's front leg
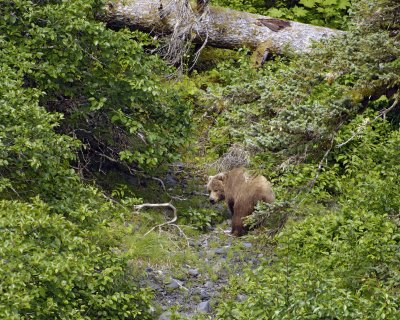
237 225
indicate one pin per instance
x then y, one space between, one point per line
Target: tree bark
221 27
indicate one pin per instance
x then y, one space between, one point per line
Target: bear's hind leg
239 212
238 231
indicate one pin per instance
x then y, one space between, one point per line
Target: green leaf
299 11
308 3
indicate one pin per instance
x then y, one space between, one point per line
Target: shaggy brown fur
240 194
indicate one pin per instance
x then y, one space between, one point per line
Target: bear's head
215 188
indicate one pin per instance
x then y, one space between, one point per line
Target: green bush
318 128
330 13
64 73
288 112
52 268
113 95
201 219
365 170
344 265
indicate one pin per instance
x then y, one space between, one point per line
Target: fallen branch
159 205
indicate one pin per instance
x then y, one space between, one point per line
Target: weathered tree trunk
224 28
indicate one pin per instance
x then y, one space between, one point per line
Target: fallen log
218 27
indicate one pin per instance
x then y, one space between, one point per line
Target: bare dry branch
381 114
183 21
237 156
324 159
158 205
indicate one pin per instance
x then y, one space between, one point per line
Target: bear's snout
212 201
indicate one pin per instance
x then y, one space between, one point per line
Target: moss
258 55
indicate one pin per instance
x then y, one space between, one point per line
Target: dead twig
170 222
183 30
158 205
161 184
382 114
237 156
321 163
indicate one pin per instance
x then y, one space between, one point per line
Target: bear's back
260 189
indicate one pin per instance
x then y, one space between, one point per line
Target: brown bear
240 193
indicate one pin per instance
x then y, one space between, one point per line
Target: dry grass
237 156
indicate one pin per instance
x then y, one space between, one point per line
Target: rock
247 244
170 180
210 254
165 316
175 283
193 272
192 243
219 251
241 297
220 207
209 284
204 295
204 307
154 286
222 251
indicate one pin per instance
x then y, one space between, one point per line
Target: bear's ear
220 176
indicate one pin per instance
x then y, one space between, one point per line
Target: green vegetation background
78 100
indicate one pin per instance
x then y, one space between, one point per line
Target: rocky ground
195 288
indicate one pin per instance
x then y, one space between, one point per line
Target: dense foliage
64 73
331 13
109 90
78 98
53 268
291 109
344 265
325 129
55 261
341 263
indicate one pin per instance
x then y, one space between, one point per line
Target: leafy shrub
55 252
111 93
34 159
366 170
58 70
52 268
343 265
289 112
201 219
317 126
330 13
